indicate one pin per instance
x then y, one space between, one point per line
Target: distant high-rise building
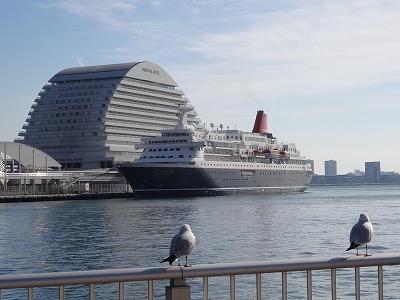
330 168
311 162
372 171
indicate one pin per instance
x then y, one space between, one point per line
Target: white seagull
182 244
361 234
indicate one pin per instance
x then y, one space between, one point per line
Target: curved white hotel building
91 117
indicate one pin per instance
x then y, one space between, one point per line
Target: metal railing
121 276
57 189
38 175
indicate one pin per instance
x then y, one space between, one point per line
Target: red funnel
260 124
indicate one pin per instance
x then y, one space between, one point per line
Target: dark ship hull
166 180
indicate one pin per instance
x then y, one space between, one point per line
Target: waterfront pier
29 174
179 289
61 185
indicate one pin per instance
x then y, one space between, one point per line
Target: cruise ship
191 161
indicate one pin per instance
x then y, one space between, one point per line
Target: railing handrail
203 270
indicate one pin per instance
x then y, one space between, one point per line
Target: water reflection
87 235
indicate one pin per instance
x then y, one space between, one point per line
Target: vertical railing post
177 290
309 285
380 282
30 293
333 284
92 292
284 286
258 286
150 290
61 292
205 288
233 288
121 291
357 282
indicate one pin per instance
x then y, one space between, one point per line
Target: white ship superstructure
190 160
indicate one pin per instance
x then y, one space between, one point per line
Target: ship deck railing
204 272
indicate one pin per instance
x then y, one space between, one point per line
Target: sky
327 73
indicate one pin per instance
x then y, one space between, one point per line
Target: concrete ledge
63 197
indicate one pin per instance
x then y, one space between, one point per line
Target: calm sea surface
122 233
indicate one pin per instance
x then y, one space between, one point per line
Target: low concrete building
20 158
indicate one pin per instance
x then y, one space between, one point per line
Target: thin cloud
111 14
310 46
314 48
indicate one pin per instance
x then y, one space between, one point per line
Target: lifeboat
267 152
257 152
283 154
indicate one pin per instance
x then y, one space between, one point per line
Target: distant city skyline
326 73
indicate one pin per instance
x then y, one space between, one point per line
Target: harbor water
125 233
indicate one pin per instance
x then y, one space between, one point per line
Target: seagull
182 243
361 234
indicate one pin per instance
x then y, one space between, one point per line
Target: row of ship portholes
241 165
260 173
165 149
163 156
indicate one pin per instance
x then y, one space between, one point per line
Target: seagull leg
186 262
357 251
366 250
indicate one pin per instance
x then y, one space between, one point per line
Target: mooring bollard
177 290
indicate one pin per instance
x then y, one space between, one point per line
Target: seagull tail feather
169 259
352 246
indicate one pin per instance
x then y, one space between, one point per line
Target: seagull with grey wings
182 244
361 234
